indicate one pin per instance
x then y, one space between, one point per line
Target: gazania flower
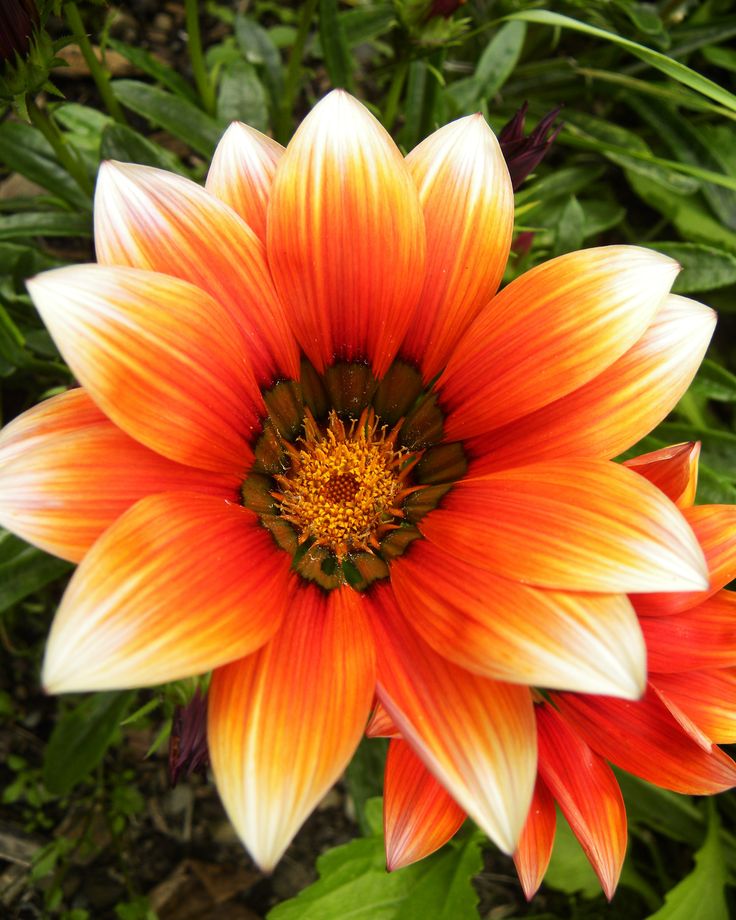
668 737
17 20
315 452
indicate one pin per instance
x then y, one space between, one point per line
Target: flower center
345 484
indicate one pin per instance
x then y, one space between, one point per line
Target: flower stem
205 85
42 120
96 69
391 104
293 71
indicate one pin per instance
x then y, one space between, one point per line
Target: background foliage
646 155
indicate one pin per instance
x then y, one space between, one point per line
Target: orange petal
346 236
673 470
549 332
715 528
703 637
419 815
380 724
465 190
535 844
284 723
476 736
707 697
617 407
148 218
514 632
181 583
159 357
646 740
582 525
242 171
66 473
588 795
683 719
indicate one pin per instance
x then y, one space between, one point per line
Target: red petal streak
159 357
419 815
181 583
673 470
583 525
587 792
346 236
380 724
476 736
510 631
66 473
646 740
707 697
549 332
617 407
535 844
465 190
715 528
703 637
148 218
242 172
683 719
284 723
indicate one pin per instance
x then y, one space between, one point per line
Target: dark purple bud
17 19
444 8
523 242
524 153
188 742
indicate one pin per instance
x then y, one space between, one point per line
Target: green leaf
335 48
119 142
166 76
259 50
704 268
497 62
44 223
655 59
354 885
364 776
570 230
660 810
715 382
365 24
11 341
175 115
80 739
241 96
569 869
701 893
25 569
24 150
721 57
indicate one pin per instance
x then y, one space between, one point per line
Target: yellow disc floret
346 483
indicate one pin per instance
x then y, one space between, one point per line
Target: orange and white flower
668 737
315 452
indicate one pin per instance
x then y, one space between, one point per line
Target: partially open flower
524 153
188 740
17 21
316 452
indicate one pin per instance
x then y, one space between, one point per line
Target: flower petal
582 525
707 697
715 528
66 473
242 171
703 637
588 795
465 190
419 815
673 470
159 357
617 407
645 739
181 583
549 332
510 631
535 844
152 219
476 736
346 236
283 723
683 719
380 724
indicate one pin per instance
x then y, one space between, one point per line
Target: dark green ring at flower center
387 435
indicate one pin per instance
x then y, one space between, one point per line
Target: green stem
431 90
205 85
96 69
293 71
393 95
64 154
